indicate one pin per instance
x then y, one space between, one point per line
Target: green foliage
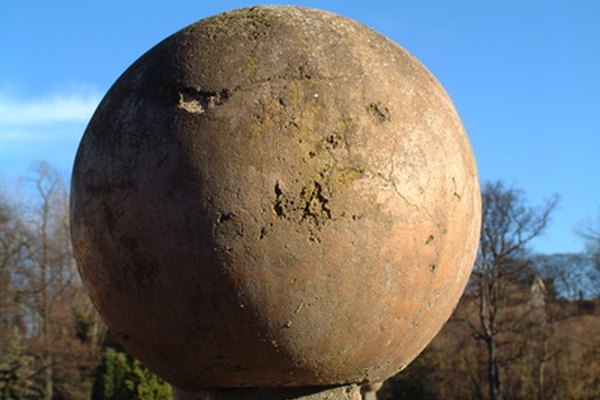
121 377
15 370
147 385
83 324
110 376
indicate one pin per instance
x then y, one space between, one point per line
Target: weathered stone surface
275 196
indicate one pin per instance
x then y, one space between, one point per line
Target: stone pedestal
349 392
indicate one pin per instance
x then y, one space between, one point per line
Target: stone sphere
275 196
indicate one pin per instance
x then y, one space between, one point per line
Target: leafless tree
573 275
49 332
508 226
13 363
11 248
590 232
48 271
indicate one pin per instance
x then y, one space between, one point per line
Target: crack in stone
390 181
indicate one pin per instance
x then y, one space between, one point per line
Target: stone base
349 392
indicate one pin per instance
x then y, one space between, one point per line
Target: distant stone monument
275 202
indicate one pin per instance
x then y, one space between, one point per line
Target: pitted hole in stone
197 101
315 204
263 233
379 111
278 204
225 218
334 140
228 230
310 205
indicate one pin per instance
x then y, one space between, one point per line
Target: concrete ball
275 196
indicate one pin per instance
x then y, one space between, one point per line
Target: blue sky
524 76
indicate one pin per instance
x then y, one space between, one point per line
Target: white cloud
58 108
43 128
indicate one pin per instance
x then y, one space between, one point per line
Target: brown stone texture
275 196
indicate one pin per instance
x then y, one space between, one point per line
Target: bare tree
508 226
590 232
48 271
14 364
11 246
574 275
50 333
